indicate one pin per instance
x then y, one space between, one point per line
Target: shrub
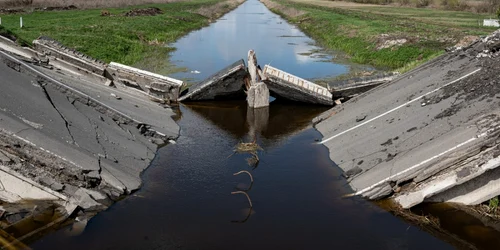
422 3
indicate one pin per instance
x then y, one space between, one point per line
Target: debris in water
248 197
244 171
247 147
251 148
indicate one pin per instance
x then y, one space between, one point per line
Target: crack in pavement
95 127
59 112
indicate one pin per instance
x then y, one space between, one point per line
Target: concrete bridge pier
258 93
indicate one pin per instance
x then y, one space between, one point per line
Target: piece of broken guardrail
157 86
288 86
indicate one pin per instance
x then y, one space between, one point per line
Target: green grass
356 31
493 204
116 37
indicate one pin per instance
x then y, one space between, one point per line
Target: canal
186 200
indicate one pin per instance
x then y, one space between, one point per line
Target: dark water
253 26
186 201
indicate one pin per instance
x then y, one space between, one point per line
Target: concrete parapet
288 86
225 84
49 47
156 85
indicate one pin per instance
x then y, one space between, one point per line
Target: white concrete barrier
491 22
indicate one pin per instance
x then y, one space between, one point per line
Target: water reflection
273 124
252 26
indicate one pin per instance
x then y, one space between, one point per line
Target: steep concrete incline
73 133
419 124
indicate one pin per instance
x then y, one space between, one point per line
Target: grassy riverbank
127 39
383 36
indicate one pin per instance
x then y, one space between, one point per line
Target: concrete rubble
430 135
231 82
349 88
290 87
225 84
157 86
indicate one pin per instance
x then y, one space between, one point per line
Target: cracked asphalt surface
412 126
103 152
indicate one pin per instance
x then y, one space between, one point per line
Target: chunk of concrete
83 199
50 47
4 159
17 187
225 84
287 86
156 85
258 96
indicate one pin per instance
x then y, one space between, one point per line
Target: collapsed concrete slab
155 85
16 188
285 85
226 84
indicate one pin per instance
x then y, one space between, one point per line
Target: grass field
78 3
361 31
128 40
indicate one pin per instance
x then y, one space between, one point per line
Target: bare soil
287 11
217 10
144 12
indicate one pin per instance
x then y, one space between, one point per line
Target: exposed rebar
244 171
248 197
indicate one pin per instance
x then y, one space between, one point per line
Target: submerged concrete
430 130
226 84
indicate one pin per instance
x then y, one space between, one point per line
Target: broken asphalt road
100 142
418 124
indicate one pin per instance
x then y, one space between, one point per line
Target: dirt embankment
217 10
287 11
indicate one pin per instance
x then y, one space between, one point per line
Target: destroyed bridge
232 82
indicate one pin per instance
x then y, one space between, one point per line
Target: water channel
253 26
186 200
